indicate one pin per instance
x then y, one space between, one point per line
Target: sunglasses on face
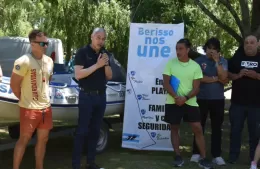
42 44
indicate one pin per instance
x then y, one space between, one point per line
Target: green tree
244 13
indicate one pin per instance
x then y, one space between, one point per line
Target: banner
150 47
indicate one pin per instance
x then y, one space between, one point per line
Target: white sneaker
195 158
253 167
219 161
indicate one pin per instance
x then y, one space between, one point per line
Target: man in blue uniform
92 70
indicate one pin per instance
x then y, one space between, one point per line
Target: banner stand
150 47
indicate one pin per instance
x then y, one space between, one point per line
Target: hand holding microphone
105 56
102 59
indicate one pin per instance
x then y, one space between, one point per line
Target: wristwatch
219 63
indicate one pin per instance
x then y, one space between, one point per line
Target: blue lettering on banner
155 32
130 137
154 43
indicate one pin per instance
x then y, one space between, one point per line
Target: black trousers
215 109
237 116
91 109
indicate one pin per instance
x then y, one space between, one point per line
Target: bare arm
233 76
80 60
51 71
1 73
221 69
213 79
258 76
253 74
207 79
50 78
224 82
222 73
81 73
196 88
108 72
167 86
15 84
19 71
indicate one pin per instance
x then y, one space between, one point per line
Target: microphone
102 50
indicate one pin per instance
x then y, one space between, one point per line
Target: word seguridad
154 45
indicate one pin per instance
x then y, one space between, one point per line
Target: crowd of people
200 93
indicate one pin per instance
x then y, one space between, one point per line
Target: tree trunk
132 10
255 28
68 49
245 17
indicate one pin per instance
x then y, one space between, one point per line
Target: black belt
87 91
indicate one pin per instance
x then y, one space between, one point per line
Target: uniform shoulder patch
17 67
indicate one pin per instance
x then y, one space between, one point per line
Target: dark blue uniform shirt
87 57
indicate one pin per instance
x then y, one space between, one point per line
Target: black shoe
231 161
92 166
178 161
206 164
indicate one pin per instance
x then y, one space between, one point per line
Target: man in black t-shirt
92 70
244 71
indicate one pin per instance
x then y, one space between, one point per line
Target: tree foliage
73 21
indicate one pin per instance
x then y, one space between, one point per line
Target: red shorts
31 119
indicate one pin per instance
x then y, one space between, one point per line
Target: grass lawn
58 154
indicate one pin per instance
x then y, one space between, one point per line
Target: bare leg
175 138
42 138
20 149
199 138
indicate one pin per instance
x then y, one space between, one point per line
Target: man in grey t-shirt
211 96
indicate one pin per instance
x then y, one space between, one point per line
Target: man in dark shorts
182 103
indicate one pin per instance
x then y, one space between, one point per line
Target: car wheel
103 138
14 131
